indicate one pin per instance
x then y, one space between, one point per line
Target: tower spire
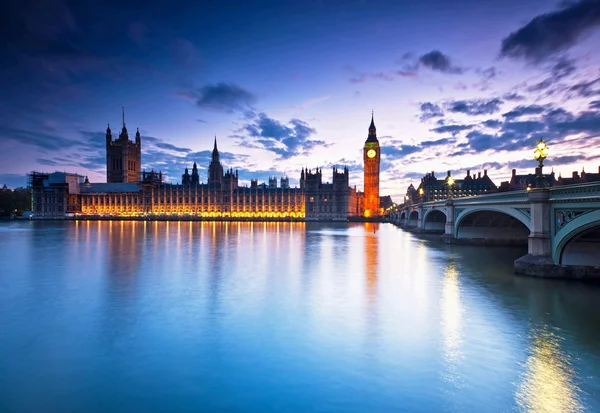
123 108
372 131
215 147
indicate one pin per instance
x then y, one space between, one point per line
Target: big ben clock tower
371 158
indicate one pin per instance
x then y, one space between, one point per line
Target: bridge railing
586 191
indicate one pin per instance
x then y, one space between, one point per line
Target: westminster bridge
560 225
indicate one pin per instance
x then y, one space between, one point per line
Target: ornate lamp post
539 154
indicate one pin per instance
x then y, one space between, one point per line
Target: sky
454 85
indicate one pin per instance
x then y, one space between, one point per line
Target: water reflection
548 384
353 318
451 318
371 246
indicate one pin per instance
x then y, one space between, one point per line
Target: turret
108 134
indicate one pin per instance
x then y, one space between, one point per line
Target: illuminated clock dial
371 153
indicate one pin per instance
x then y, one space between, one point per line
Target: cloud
453 129
488 74
443 141
525 110
586 89
170 147
401 151
513 96
475 107
551 33
387 75
285 140
558 70
222 97
437 61
492 123
430 110
595 104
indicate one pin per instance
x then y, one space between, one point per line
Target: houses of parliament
131 192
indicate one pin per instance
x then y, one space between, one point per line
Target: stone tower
215 169
123 157
371 159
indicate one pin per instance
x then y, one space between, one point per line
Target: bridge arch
434 220
578 242
488 222
413 218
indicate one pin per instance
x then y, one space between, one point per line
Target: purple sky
454 85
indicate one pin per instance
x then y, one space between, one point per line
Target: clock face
371 153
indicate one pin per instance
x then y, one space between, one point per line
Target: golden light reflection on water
452 324
548 384
371 259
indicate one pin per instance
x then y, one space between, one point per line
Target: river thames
281 317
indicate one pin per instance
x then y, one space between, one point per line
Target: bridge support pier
448 236
420 218
538 262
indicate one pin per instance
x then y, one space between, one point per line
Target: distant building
54 195
577 178
385 202
123 157
129 192
433 189
329 201
522 182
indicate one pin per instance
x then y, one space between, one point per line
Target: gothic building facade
129 192
123 157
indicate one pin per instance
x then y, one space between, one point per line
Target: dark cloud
39 139
558 70
525 110
170 147
492 123
452 129
552 33
551 124
544 84
430 110
595 104
222 97
586 89
444 141
401 151
436 60
584 122
285 140
475 107
513 96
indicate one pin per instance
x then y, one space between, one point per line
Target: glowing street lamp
540 153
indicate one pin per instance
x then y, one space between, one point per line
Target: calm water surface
255 317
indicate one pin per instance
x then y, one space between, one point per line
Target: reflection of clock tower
371 158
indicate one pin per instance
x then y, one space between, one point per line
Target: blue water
268 317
